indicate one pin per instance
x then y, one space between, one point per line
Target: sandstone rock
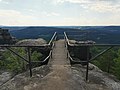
4 76
32 42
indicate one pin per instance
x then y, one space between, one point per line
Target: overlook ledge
60 75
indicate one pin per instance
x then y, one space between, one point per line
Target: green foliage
117 65
13 63
109 62
36 56
105 61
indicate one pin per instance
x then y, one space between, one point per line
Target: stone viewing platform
60 75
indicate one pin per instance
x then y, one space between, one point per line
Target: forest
108 62
12 63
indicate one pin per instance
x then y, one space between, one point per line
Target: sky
59 12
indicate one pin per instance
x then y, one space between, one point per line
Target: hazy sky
59 12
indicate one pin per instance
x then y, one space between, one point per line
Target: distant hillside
112 28
103 34
36 32
100 34
11 28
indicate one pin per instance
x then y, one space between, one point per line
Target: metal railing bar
51 45
77 45
66 37
88 48
54 35
116 45
17 54
104 51
29 58
43 60
74 60
48 55
41 46
107 45
110 46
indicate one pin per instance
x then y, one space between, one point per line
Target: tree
116 67
106 61
14 63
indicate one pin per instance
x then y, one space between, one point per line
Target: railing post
108 69
87 68
29 58
51 54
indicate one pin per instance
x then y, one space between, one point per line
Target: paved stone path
59 56
61 76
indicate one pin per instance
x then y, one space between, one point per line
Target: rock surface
60 75
4 77
5 37
69 77
32 42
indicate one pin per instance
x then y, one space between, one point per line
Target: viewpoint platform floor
61 76
59 56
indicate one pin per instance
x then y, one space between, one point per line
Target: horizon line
52 25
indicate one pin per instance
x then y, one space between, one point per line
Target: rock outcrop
5 76
98 80
60 75
5 37
32 42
